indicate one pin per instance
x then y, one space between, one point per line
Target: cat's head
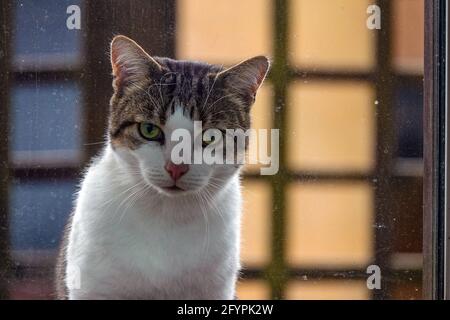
155 96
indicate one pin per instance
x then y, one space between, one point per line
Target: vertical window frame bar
434 192
5 51
383 83
277 272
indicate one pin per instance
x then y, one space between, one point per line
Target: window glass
330 225
328 290
39 210
41 38
253 290
346 98
256 224
407 214
409 123
331 126
238 30
408 35
331 35
46 122
407 291
262 119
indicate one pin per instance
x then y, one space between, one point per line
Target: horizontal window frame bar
293 274
46 76
336 274
43 171
293 75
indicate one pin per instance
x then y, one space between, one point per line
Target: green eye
150 131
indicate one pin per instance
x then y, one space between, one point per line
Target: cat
144 227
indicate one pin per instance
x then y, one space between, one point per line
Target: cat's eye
150 132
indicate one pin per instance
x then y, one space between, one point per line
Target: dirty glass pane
262 118
331 35
328 290
331 126
39 210
407 215
409 124
407 291
253 290
46 121
330 225
41 37
256 224
408 36
241 30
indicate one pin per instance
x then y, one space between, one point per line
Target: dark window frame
435 194
5 42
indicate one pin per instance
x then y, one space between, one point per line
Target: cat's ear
245 78
130 63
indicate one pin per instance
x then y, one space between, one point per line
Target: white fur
154 244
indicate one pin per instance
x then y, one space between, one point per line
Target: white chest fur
150 246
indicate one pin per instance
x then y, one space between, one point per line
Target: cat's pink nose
176 170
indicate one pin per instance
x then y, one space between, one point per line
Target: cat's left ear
245 78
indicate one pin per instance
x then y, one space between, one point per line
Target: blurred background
347 101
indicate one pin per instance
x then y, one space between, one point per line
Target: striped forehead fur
147 89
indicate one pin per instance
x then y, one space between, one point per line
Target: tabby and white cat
144 227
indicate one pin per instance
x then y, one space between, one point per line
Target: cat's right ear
245 78
130 63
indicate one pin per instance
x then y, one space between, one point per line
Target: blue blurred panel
46 117
39 211
409 125
40 28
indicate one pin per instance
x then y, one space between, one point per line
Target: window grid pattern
384 79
